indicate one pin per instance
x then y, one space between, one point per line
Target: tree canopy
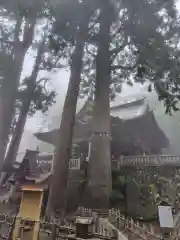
144 47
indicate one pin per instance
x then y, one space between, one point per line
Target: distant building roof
142 131
132 121
127 101
130 110
20 157
120 109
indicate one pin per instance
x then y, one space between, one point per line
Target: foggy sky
59 81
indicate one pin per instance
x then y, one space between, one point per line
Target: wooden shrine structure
134 130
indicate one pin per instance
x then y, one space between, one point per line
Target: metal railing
141 160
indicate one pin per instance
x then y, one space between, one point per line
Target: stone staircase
121 236
131 229
125 228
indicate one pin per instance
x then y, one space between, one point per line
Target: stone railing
147 160
135 227
125 161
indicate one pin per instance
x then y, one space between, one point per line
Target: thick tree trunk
15 142
63 149
9 87
16 139
99 168
8 95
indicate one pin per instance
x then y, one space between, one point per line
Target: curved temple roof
130 121
130 110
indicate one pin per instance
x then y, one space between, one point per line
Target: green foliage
41 98
116 198
115 174
118 181
154 191
145 193
24 8
155 40
143 48
143 42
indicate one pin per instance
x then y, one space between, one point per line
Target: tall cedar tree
99 168
10 81
63 148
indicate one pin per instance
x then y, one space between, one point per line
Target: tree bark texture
99 167
16 139
63 149
9 86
